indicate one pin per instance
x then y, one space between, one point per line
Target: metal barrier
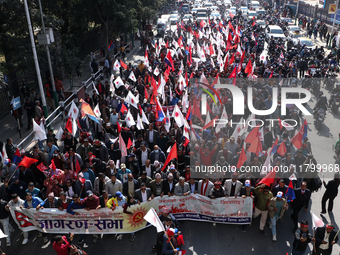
52 120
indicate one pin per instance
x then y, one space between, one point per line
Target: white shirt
326 239
144 157
170 185
112 170
148 170
151 136
70 191
144 196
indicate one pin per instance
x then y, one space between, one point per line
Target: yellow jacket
112 203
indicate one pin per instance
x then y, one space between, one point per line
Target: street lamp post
297 11
35 57
331 37
48 58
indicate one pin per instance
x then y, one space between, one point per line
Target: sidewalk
9 126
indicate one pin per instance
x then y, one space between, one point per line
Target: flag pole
169 240
336 234
314 241
13 174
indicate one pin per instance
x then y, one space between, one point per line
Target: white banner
105 221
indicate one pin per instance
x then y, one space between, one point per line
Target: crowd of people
122 158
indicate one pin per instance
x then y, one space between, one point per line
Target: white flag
116 66
222 124
145 119
292 177
178 116
118 82
266 166
153 219
94 87
40 133
59 134
74 111
4 153
97 111
74 127
156 72
185 102
139 123
2 235
129 119
132 77
132 100
167 121
138 33
317 222
122 146
261 136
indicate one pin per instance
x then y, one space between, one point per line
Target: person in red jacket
61 244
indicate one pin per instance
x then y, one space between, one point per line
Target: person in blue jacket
31 202
75 204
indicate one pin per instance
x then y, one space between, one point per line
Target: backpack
315 184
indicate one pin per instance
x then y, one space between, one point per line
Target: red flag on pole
254 133
242 158
119 129
41 167
27 162
256 146
172 155
129 144
123 108
77 166
297 139
123 64
52 165
268 179
282 149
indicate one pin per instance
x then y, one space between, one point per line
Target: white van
255 4
161 26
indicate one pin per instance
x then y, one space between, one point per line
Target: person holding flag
302 238
277 206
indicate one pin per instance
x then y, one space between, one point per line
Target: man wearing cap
143 154
167 247
302 238
17 202
233 186
277 206
204 186
33 190
63 201
182 188
117 200
82 185
132 164
91 202
123 173
113 185
130 186
169 185
330 193
263 196
325 238
110 168
280 187
143 194
50 202
157 186
232 146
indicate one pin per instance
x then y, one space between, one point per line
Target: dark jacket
297 244
60 202
138 194
196 186
332 188
161 157
27 177
46 204
243 191
139 155
126 189
155 136
301 200
166 186
319 236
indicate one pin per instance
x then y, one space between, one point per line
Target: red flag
211 123
123 108
129 144
282 149
242 158
233 73
52 165
231 15
68 126
146 94
196 109
123 64
268 179
119 129
172 155
211 49
232 59
82 181
249 67
253 134
297 139
271 74
41 167
256 146
27 162
77 166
